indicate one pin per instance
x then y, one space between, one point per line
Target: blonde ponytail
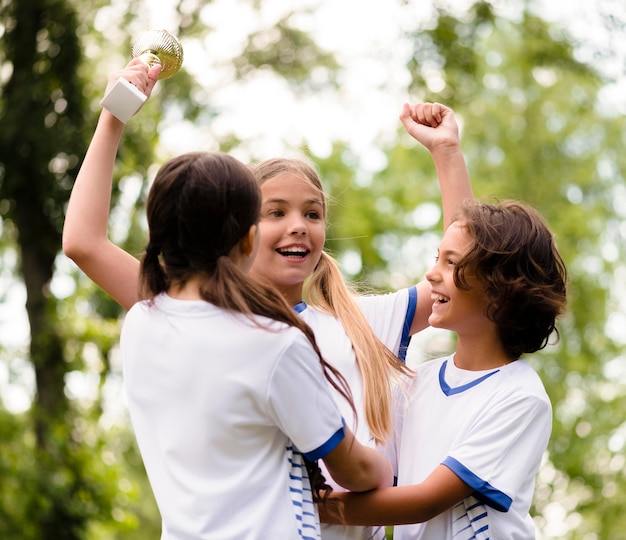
326 290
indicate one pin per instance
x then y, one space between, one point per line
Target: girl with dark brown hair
221 375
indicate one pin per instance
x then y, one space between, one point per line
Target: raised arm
435 126
357 467
85 232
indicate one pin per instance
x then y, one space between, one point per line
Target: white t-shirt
215 401
390 317
491 429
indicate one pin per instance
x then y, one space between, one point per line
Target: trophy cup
153 47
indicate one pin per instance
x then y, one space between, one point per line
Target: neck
292 294
478 353
189 291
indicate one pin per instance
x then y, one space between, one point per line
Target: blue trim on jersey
485 492
408 321
299 308
449 391
327 447
302 496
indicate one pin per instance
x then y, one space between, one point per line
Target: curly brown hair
515 258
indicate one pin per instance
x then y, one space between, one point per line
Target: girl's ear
248 242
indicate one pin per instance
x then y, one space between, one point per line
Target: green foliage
532 129
372 215
287 51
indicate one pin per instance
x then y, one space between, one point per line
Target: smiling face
292 233
459 310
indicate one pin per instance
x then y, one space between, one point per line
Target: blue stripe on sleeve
408 321
485 492
327 447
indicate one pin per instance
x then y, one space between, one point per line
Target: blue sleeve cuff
484 491
327 447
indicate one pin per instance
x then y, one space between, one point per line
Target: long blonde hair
327 291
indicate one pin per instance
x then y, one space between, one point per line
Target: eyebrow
277 200
449 252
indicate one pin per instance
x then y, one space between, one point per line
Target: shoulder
431 366
140 310
401 297
520 374
521 384
319 319
427 374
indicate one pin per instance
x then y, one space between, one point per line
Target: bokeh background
539 89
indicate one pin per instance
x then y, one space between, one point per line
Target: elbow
367 474
76 249
71 248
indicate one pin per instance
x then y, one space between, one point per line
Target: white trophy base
123 100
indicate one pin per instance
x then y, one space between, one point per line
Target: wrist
447 152
108 120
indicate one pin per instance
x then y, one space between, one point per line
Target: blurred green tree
66 474
533 128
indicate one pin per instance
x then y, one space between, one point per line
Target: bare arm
400 505
435 126
357 467
85 232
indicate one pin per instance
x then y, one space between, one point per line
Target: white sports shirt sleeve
491 429
296 409
215 402
390 316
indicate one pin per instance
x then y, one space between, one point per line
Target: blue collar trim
449 391
299 308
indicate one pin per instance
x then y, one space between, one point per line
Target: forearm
435 126
454 180
388 506
414 503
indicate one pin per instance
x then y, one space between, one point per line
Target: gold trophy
153 47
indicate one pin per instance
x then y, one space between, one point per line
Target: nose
297 225
432 274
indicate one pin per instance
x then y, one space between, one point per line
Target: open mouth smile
439 298
293 252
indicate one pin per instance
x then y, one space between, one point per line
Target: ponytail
328 291
153 279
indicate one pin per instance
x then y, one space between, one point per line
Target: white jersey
390 316
491 429
215 401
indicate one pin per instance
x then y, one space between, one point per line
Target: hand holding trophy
153 47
